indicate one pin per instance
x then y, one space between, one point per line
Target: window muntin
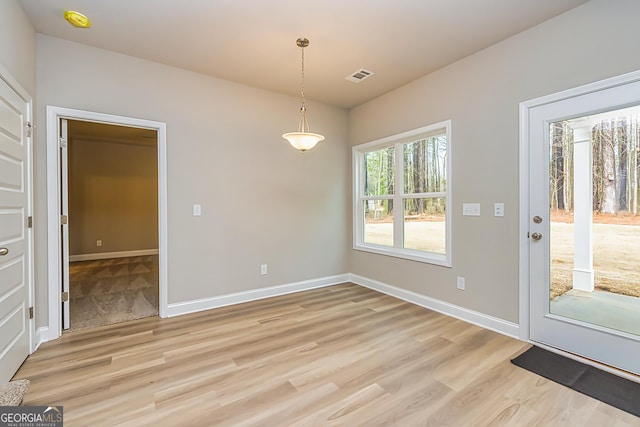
401 189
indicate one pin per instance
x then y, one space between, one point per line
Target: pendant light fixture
303 140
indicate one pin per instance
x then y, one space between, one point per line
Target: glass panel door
584 224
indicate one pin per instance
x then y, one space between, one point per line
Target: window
402 188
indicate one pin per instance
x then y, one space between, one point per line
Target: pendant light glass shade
303 140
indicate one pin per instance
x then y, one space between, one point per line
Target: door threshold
631 376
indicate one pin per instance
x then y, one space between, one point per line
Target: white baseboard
477 318
42 336
108 255
179 308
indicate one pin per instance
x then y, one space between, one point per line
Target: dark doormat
608 388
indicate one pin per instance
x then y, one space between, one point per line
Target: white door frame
525 213
54 114
26 97
63 196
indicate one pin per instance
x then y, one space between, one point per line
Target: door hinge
29 222
30 312
62 143
64 219
29 127
65 296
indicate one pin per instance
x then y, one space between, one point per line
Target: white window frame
359 197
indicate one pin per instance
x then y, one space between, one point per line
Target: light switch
197 210
471 209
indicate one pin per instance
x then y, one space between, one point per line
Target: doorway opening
83 248
112 193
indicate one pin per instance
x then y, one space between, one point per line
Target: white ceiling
253 41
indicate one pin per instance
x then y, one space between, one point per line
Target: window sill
425 257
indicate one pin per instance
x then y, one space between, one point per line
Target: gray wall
262 201
481 94
18 45
113 196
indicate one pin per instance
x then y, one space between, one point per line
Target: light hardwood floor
342 355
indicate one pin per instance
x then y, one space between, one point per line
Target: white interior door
15 327
64 222
584 243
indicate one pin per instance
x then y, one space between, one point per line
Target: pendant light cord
304 124
302 79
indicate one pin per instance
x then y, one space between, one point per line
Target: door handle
536 236
4 251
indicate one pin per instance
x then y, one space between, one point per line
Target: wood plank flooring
341 355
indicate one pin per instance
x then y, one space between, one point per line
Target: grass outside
616 258
424 233
616 253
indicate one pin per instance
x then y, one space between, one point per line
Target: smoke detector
360 75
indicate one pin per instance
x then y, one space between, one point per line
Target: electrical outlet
460 283
498 209
98 242
263 269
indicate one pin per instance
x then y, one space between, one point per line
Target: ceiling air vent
359 75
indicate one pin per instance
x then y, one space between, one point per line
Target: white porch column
582 207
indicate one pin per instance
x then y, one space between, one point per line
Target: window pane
594 239
378 222
425 165
425 224
378 171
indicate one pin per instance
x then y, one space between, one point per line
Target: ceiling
253 41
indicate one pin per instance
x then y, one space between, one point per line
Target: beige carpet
12 393
107 291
